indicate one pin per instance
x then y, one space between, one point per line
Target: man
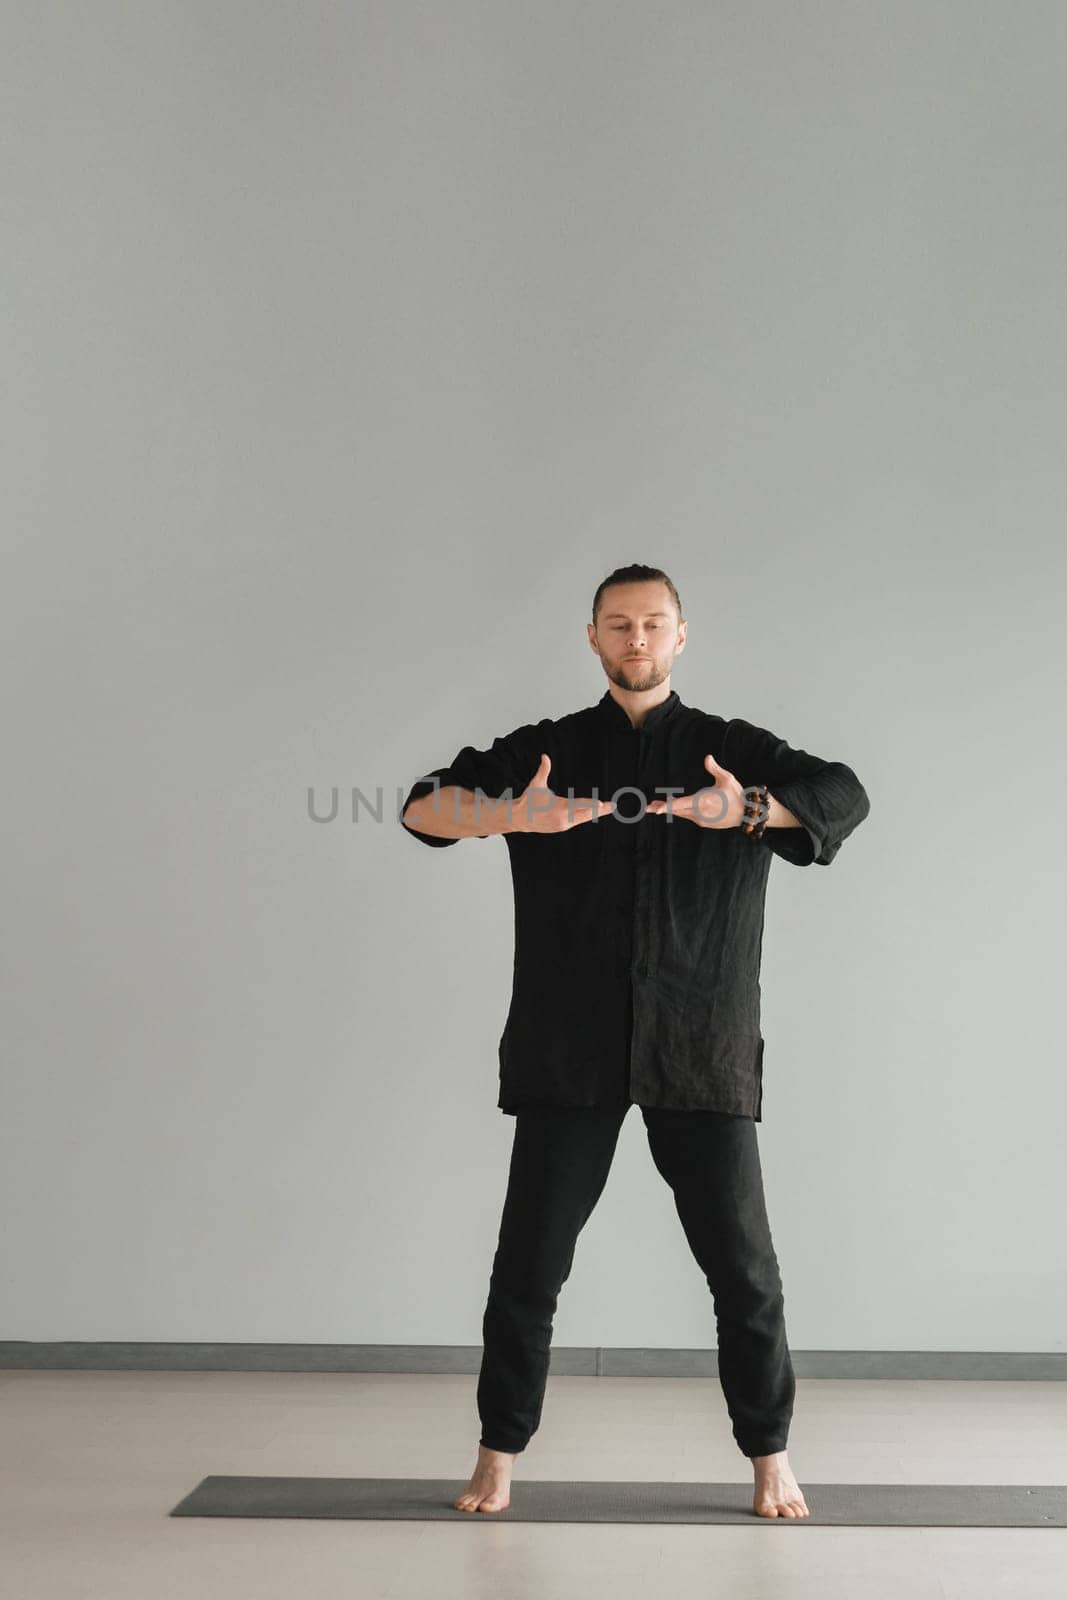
640 832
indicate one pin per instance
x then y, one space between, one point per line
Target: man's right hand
538 810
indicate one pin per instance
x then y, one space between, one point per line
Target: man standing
640 832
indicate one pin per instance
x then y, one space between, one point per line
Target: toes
781 1508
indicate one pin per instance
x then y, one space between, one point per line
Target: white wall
347 348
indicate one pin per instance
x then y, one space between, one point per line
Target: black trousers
560 1161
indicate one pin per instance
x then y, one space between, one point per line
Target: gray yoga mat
856 1505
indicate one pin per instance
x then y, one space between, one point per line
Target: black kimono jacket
638 938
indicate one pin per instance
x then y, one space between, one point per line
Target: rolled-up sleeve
825 796
506 766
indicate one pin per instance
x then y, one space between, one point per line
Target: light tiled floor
91 1463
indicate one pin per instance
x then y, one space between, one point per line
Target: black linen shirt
638 938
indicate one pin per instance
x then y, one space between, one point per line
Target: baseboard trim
567 1361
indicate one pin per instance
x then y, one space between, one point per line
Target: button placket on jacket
636 798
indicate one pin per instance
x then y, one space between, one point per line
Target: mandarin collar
616 717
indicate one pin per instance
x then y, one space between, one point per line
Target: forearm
452 812
779 816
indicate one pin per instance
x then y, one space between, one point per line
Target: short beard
652 681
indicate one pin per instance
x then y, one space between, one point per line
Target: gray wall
347 348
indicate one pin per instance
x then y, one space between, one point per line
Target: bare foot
490 1485
777 1491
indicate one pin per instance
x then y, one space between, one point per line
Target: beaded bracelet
755 802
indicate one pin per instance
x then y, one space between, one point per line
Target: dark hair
636 573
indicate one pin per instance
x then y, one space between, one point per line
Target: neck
637 703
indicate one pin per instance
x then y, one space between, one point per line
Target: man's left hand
720 805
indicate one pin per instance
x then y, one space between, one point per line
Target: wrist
758 811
